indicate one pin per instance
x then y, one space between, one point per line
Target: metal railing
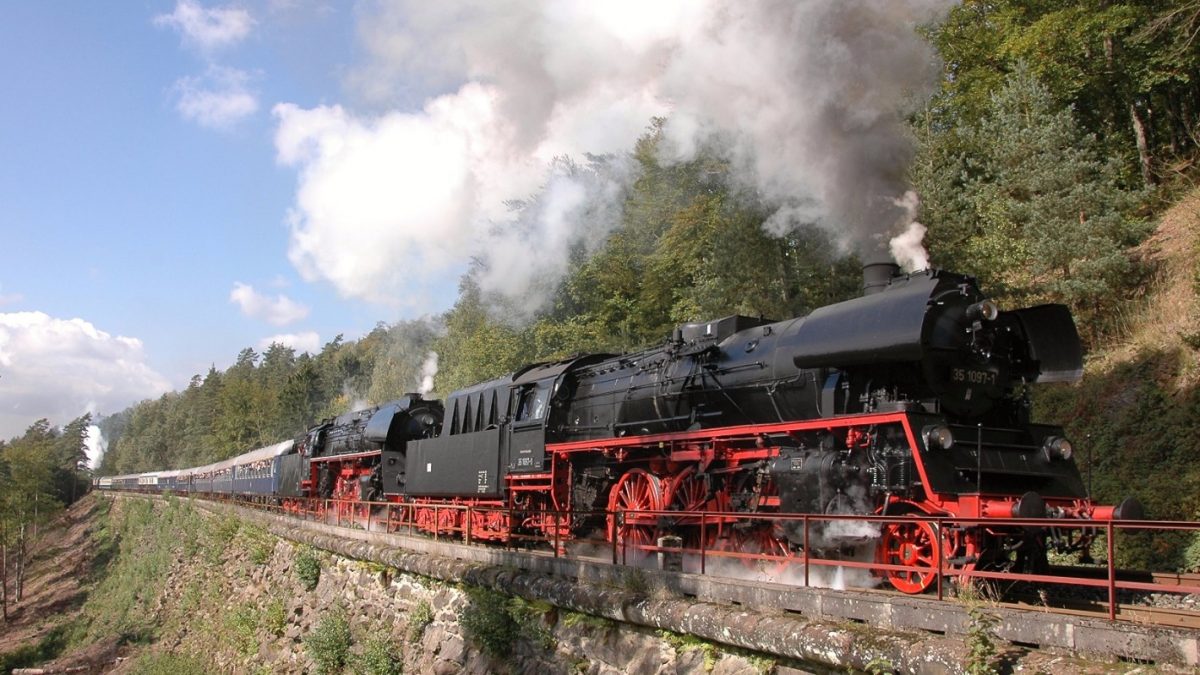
713 537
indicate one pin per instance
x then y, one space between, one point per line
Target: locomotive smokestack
877 275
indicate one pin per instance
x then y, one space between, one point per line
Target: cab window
532 405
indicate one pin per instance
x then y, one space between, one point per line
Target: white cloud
219 99
61 368
806 100
208 28
307 341
280 310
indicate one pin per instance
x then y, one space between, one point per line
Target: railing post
806 550
937 553
616 526
509 544
1112 572
467 526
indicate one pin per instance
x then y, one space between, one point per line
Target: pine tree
1054 221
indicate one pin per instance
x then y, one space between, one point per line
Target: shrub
420 617
260 543
981 638
241 624
328 645
378 658
528 616
486 622
274 617
308 568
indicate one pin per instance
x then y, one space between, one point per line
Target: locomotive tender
909 400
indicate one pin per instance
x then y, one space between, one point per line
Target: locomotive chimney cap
877 275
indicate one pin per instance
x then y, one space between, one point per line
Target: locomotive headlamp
939 437
1057 447
986 310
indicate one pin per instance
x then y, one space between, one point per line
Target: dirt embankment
60 563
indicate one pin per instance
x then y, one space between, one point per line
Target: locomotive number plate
970 376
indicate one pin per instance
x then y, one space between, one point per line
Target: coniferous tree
1054 220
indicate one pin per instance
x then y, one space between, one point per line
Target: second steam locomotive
909 400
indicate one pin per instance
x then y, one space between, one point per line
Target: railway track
1169 617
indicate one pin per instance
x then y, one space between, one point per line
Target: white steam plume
96 446
907 248
805 99
429 369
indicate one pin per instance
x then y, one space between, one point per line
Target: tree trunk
4 579
1139 132
20 564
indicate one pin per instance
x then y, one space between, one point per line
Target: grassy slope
1135 415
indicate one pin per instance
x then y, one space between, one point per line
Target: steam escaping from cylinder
464 106
429 369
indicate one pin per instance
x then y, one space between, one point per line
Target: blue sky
119 209
181 179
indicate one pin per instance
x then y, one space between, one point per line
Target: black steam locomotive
909 400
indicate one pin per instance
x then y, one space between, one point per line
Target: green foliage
274 617
28 494
1115 63
1027 200
145 542
259 542
1191 555
328 644
880 666
308 567
589 621
264 398
685 643
1138 430
420 617
168 663
487 623
48 647
378 657
981 638
530 617
241 625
